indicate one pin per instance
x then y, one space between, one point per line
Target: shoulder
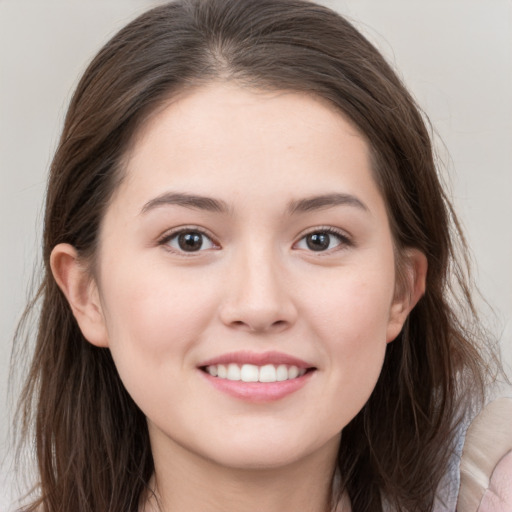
486 461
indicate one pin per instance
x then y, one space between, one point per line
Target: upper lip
257 358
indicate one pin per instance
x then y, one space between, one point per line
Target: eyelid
163 240
345 239
166 237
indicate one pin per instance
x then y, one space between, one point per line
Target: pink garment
498 497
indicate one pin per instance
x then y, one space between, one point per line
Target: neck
184 481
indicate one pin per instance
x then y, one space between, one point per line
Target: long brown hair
91 439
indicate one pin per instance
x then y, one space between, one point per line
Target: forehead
222 134
229 101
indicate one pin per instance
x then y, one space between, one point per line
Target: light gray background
455 55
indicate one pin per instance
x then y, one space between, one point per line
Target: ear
81 291
408 291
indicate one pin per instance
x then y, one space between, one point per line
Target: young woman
251 299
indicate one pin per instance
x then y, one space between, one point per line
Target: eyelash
169 236
344 240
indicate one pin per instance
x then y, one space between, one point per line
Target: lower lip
259 392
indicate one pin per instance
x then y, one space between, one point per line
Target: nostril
259 326
279 325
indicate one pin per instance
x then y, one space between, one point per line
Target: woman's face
246 276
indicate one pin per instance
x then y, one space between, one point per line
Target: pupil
318 241
191 241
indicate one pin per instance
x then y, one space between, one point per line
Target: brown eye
323 240
318 241
189 241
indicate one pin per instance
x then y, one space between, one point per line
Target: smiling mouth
267 373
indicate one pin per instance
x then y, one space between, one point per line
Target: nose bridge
257 294
259 264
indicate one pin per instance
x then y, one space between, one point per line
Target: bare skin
249 490
247 233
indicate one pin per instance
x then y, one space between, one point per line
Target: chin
271 452
255 460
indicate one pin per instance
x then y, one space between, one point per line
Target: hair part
91 440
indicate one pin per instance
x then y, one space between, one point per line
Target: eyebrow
188 201
197 202
320 202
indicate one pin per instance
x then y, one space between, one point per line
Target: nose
258 294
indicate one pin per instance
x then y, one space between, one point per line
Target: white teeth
222 371
293 372
282 373
233 372
249 373
268 373
253 373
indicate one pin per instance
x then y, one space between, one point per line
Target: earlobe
81 291
409 293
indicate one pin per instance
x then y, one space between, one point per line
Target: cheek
354 310
351 325
155 310
154 320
